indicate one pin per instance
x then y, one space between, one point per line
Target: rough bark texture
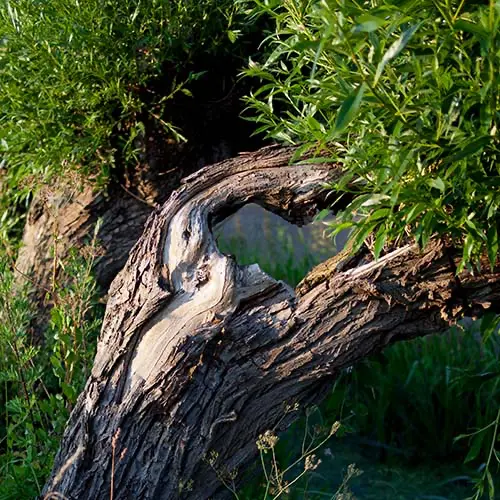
198 354
63 216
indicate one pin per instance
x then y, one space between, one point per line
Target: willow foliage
406 95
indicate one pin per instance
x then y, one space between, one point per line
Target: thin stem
490 454
308 453
268 482
290 484
457 12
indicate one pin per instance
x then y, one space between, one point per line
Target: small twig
138 198
24 275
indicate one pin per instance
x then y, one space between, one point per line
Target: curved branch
198 353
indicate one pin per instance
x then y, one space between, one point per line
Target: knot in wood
201 276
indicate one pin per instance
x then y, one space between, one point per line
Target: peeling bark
199 354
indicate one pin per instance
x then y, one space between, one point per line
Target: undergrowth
40 378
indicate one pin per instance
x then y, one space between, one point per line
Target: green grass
284 254
40 381
418 396
286 268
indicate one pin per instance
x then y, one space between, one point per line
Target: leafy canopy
405 94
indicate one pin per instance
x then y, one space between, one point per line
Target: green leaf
475 448
489 324
380 241
303 45
368 23
69 391
425 229
323 214
473 229
414 212
492 209
471 148
348 110
362 233
357 202
437 183
381 213
58 368
337 228
395 49
468 27
491 485
468 249
232 36
492 244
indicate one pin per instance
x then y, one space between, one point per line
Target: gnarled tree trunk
199 354
64 215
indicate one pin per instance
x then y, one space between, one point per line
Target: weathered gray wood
198 354
63 215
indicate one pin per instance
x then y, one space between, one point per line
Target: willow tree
105 106
199 355
393 108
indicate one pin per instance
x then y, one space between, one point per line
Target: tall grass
41 379
419 396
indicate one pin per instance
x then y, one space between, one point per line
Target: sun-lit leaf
492 245
380 241
395 49
368 23
468 248
438 184
375 199
349 109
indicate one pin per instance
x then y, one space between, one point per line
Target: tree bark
63 215
198 355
